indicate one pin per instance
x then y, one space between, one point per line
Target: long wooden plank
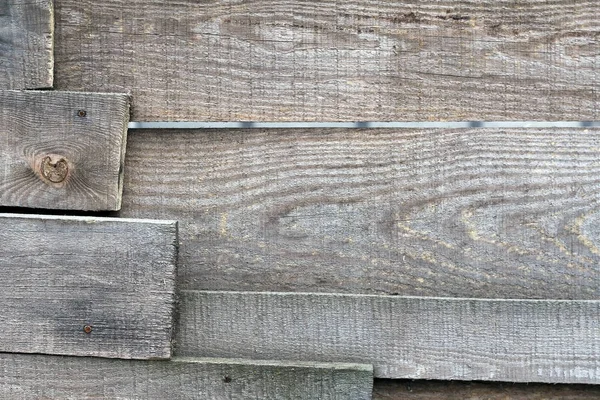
336 60
486 213
386 389
26 44
87 286
62 150
54 377
553 341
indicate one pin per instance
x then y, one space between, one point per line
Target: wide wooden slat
26 44
87 286
54 377
488 213
62 150
332 60
553 341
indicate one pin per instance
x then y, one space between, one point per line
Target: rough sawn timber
26 44
87 286
62 150
54 377
327 60
488 213
553 341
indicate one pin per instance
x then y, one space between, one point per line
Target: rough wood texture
62 150
553 341
462 213
26 44
87 286
432 390
54 377
336 60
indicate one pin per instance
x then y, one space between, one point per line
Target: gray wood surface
87 286
387 389
336 60
54 377
485 213
553 341
26 44
62 150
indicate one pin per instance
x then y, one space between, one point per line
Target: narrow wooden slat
492 213
403 337
26 44
62 150
331 60
87 286
54 377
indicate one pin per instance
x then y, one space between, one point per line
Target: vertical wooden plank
62 150
87 286
26 44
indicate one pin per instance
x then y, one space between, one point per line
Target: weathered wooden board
54 377
336 60
26 44
553 341
463 213
62 150
385 389
87 286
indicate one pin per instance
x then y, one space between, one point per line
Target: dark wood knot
54 169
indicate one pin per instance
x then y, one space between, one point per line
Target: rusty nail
87 329
82 113
54 171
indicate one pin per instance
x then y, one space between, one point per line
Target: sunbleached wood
87 286
26 44
491 213
331 60
62 150
403 337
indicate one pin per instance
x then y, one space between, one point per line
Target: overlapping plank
488 213
54 377
62 150
553 341
335 60
26 44
87 286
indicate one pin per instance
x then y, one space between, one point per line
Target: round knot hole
55 169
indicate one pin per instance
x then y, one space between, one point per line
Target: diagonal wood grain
403 337
62 150
331 60
59 275
54 377
491 213
26 44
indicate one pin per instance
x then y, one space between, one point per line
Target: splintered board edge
62 150
87 286
403 337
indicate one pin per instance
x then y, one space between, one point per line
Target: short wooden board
55 377
62 150
87 286
403 337
26 44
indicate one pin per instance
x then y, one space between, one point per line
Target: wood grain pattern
385 389
554 341
54 377
26 44
484 213
87 286
226 60
62 150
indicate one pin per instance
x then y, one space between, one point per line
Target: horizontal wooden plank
335 60
386 389
491 213
552 341
62 150
87 286
55 377
26 44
